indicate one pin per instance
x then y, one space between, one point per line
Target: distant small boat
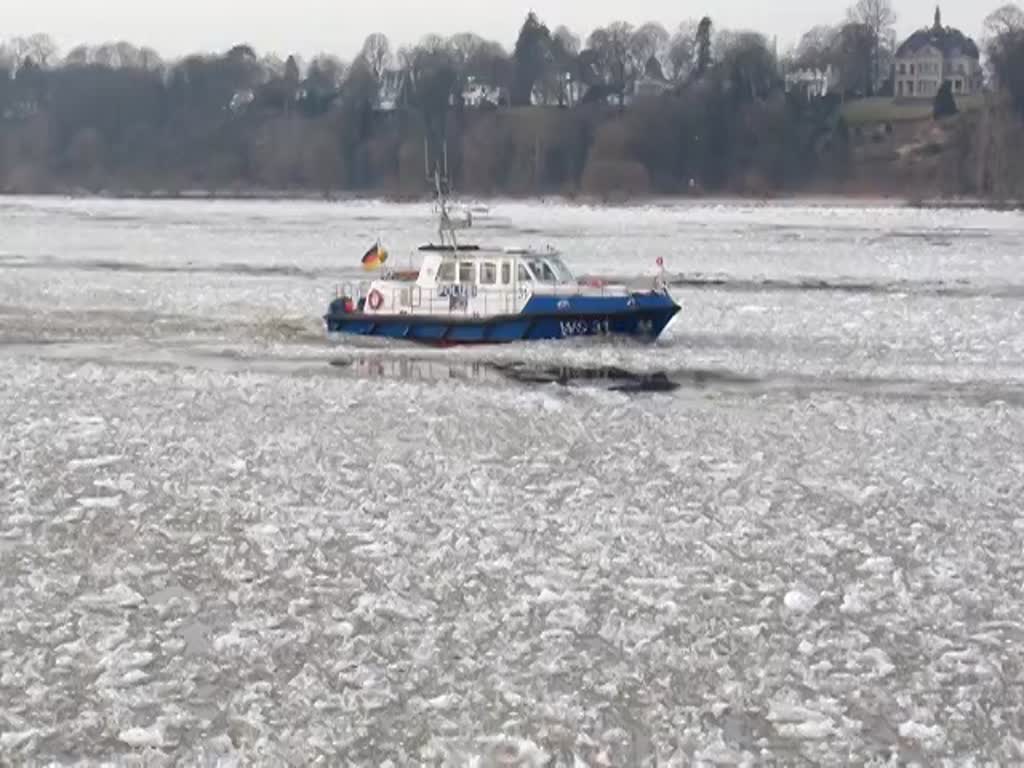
468 294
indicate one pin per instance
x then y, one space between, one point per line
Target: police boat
468 294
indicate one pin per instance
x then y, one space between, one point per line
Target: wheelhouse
500 269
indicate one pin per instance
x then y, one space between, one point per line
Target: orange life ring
375 299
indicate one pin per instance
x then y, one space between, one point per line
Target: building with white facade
813 83
930 57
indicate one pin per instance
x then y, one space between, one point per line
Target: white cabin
477 283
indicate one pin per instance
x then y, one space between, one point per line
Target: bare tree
490 63
79 56
326 72
42 49
106 55
611 48
150 59
682 51
433 44
1004 34
406 58
273 65
1005 20
879 17
12 52
464 46
569 42
377 53
565 65
748 63
816 48
651 41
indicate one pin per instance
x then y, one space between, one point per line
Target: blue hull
641 316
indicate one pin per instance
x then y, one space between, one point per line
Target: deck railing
470 300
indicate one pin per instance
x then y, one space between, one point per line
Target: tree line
627 110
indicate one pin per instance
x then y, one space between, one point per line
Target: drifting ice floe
218 549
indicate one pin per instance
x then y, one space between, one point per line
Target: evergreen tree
945 104
530 59
703 46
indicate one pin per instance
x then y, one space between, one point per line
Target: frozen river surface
224 541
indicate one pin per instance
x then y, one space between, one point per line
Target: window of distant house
466 271
903 69
446 274
911 69
488 273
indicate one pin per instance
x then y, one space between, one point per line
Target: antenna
442 187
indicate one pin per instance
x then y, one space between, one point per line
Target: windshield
543 271
563 272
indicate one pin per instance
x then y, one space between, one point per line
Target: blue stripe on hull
429 332
597 305
510 330
543 318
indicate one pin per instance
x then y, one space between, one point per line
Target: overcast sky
174 27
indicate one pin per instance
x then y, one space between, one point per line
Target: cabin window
488 273
543 271
524 274
506 273
466 272
558 266
446 273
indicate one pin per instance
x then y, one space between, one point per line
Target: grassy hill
883 109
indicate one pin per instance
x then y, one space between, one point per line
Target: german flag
375 257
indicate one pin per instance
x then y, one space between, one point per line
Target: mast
441 183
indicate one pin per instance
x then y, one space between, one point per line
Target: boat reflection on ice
504 373
607 377
417 369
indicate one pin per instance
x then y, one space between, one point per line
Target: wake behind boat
466 294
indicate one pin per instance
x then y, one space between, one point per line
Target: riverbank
816 199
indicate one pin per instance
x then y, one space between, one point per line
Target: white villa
931 56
